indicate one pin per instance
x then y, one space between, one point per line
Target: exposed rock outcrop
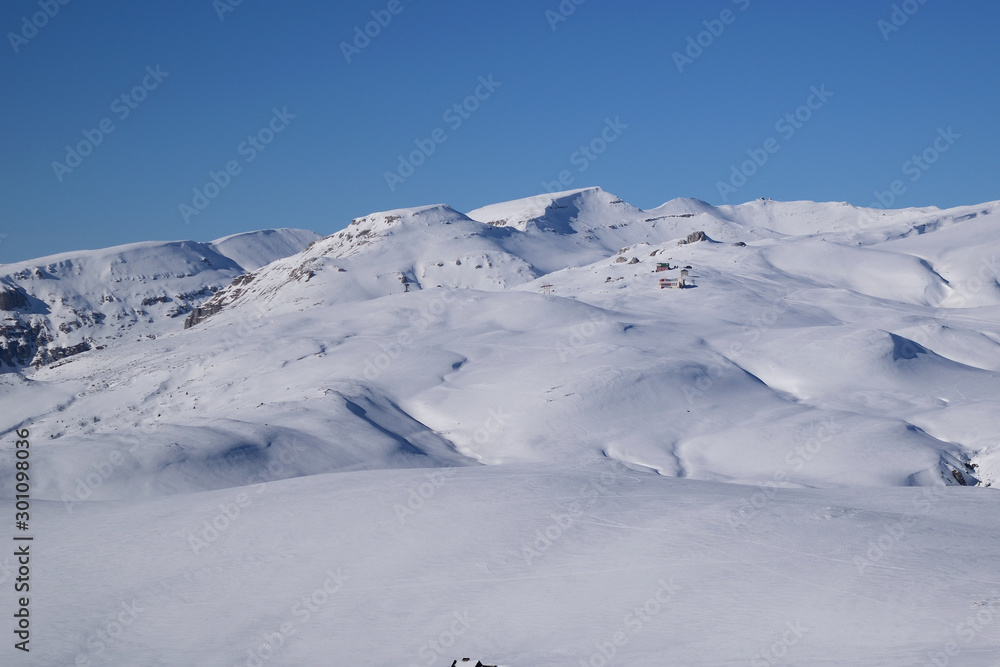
219 301
12 298
19 342
694 237
50 355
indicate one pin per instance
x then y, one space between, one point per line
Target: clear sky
309 127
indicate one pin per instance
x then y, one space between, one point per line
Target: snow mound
252 250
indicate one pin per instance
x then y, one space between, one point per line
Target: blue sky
210 85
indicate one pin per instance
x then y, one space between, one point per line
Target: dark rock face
27 335
202 313
53 354
19 342
219 301
23 344
12 298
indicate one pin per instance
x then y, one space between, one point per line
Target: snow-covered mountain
58 306
455 385
403 332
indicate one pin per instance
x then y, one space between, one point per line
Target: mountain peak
555 211
421 215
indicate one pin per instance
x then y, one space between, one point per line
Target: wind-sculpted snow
522 566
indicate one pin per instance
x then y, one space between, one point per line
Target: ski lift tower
548 288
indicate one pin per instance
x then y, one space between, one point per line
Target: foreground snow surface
520 565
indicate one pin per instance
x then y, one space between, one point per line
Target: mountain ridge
61 305
423 337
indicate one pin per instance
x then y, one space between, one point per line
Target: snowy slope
805 437
406 331
521 566
381 254
252 250
61 305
